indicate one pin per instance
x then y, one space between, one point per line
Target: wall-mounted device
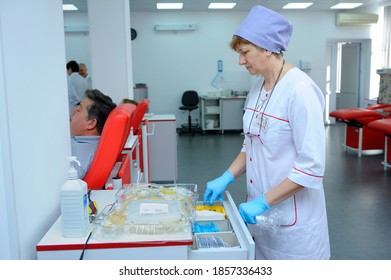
305 65
349 19
75 29
175 27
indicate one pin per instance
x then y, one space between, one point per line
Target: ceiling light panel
302 5
221 5
169 6
346 6
69 7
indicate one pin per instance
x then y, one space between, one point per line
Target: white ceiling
242 5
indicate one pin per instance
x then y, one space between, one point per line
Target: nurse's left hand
251 209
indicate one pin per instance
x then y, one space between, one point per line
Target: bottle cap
72 172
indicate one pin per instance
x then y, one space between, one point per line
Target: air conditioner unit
175 27
349 19
75 29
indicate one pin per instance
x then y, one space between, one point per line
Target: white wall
34 122
170 63
111 63
6 242
77 44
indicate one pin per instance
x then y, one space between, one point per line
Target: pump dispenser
74 204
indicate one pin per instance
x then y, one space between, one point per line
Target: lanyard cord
267 102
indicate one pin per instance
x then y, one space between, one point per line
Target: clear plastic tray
148 209
216 240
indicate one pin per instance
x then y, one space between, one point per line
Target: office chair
190 101
112 140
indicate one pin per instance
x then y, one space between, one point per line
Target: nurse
283 153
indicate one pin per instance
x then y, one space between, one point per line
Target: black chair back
190 98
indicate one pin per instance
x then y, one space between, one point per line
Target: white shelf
222 113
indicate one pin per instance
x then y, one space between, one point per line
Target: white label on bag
153 208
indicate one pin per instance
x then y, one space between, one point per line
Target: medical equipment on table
148 209
174 245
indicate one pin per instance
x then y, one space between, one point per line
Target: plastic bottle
219 66
267 221
74 204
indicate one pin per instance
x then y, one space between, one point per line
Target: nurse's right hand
215 188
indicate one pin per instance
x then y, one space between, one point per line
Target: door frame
350 97
333 53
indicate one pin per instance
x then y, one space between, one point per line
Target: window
386 49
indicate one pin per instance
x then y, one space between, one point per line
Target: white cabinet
210 113
232 110
162 148
222 113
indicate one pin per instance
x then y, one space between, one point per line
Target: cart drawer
234 244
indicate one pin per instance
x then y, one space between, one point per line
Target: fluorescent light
302 5
169 6
345 6
69 7
221 5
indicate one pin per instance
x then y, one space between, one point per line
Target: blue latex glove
215 188
251 209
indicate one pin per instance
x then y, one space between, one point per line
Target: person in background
84 72
86 123
283 152
77 85
127 100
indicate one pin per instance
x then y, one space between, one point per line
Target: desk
55 247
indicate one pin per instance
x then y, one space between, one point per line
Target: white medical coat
290 143
77 86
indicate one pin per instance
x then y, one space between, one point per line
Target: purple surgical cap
266 29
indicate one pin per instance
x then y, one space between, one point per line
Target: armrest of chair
354 113
356 116
378 106
124 170
383 125
121 169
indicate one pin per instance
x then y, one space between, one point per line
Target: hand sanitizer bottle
74 204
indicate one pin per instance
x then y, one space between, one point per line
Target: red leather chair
358 136
379 106
112 140
135 124
138 115
384 126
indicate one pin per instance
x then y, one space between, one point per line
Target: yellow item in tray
216 208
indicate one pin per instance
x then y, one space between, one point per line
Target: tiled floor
358 190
